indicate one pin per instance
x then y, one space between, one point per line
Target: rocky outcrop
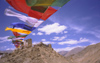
40 53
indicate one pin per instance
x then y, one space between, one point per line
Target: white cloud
78 29
39 33
12 45
65 49
73 22
47 42
95 32
92 43
62 38
83 40
65 31
4 39
35 42
43 40
71 41
3 47
10 48
53 28
33 34
59 38
55 38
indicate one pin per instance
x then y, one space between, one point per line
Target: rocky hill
40 53
74 51
90 54
63 53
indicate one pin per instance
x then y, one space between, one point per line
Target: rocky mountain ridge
63 53
91 54
74 51
40 53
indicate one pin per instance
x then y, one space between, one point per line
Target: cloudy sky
76 24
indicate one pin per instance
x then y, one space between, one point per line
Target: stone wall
28 43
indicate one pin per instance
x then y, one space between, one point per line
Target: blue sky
76 24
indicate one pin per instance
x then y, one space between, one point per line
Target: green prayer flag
59 3
39 2
16 41
11 37
16 36
41 9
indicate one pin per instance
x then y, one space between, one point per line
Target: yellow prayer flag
18 30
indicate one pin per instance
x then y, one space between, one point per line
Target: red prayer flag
14 5
35 14
48 13
16 34
22 4
17 44
19 5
